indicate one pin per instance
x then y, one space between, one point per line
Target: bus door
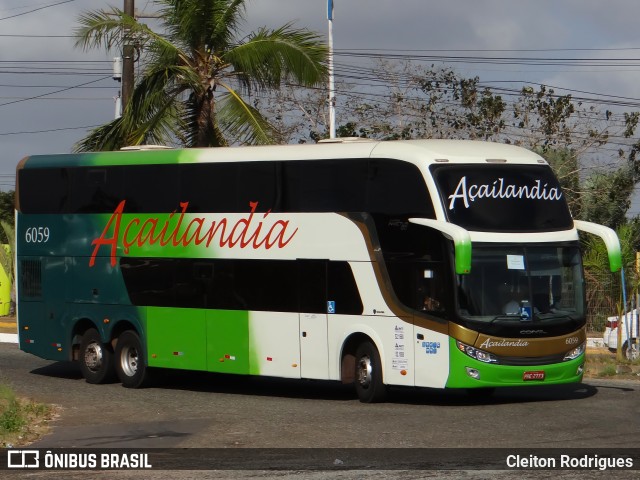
431 354
314 349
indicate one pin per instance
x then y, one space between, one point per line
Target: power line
51 93
18 35
37 9
86 127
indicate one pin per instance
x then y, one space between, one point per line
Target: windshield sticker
399 361
331 306
431 348
515 262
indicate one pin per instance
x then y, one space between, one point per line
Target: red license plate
533 376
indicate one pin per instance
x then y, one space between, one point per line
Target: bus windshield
522 283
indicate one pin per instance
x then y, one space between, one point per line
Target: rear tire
130 360
96 358
368 374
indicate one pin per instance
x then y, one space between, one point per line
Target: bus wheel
96 358
369 386
129 360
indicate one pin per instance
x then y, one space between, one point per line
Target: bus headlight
476 353
575 353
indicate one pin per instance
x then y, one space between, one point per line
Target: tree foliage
197 74
7 213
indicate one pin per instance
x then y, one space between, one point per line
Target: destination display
502 198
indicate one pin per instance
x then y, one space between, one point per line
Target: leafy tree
565 164
6 256
195 73
607 197
6 213
412 101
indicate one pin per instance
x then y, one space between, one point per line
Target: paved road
206 410
195 410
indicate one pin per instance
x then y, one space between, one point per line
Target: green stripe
492 375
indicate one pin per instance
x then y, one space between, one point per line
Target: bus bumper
467 372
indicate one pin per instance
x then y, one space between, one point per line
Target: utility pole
128 52
332 94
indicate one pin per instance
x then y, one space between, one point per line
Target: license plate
533 376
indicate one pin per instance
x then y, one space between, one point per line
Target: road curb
8 338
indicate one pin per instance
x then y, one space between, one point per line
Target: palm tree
195 74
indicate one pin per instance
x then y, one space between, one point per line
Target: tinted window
325 186
209 187
152 188
397 188
343 290
388 187
43 190
256 183
149 281
260 285
312 281
96 190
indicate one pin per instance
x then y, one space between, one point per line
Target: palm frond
175 95
110 136
102 28
242 123
270 56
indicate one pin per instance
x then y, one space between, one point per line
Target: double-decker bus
426 263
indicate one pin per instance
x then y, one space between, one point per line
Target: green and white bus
426 263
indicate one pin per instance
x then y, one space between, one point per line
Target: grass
21 421
604 364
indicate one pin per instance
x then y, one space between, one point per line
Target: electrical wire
37 9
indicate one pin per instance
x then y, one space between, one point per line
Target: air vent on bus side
31 278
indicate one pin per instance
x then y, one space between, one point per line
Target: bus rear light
612 324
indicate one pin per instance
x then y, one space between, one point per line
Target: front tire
96 358
129 359
368 374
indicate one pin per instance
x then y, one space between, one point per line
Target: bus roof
415 151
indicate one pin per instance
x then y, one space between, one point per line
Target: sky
51 92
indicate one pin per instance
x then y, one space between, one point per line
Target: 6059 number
37 235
